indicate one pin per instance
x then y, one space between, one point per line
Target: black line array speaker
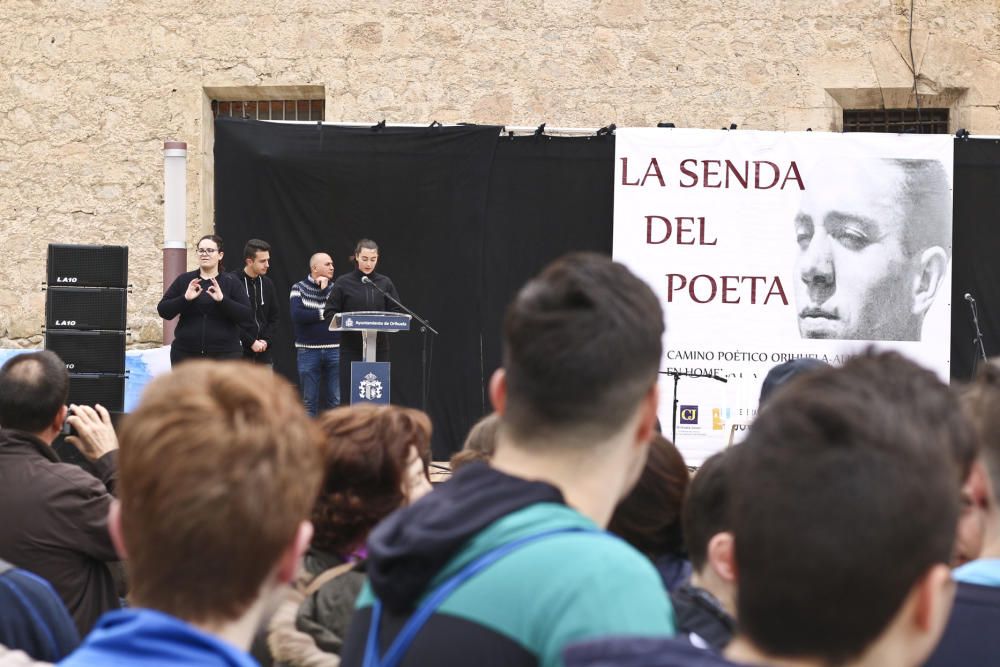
85 308
89 351
88 266
91 388
85 311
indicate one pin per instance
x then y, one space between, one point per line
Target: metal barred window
271 109
904 121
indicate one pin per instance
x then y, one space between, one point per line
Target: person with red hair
376 462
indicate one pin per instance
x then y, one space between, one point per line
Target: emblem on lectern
370 387
350 322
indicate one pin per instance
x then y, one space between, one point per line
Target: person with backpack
506 564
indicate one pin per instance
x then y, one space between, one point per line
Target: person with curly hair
649 518
376 462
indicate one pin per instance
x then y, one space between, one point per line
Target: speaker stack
85 308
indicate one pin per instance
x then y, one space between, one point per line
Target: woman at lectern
210 304
359 291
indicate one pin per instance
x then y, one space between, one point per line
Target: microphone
719 378
365 280
968 297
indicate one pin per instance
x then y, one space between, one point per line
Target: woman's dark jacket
349 294
206 326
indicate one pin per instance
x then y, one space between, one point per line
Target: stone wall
90 89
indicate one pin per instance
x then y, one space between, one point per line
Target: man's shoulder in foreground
641 652
600 576
970 637
32 473
154 639
565 587
33 617
575 582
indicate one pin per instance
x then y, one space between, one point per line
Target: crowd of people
228 523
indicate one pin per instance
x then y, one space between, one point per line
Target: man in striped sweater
317 347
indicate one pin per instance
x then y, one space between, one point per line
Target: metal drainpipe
174 220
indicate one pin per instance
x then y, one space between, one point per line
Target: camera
67 428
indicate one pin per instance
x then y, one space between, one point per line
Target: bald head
321 264
33 389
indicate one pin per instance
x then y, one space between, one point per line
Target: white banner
769 246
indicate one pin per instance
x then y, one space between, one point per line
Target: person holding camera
56 514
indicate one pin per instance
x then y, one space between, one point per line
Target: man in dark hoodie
843 515
577 401
257 333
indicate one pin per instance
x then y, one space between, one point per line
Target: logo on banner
349 322
718 423
689 414
370 387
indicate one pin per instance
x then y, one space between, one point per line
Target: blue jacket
32 617
153 639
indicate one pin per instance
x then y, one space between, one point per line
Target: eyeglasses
206 251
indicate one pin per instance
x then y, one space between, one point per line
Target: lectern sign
379 321
370 382
370 379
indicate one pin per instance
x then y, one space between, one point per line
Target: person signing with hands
194 289
211 306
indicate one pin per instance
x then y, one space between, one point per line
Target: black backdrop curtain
976 249
548 196
462 216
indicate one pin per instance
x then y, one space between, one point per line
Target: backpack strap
327 575
401 644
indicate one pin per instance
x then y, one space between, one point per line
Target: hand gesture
322 281
95 436
214 290
193 290
259 346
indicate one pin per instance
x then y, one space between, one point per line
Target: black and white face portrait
874 238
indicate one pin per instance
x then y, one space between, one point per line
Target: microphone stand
977 342
425 356
677 375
